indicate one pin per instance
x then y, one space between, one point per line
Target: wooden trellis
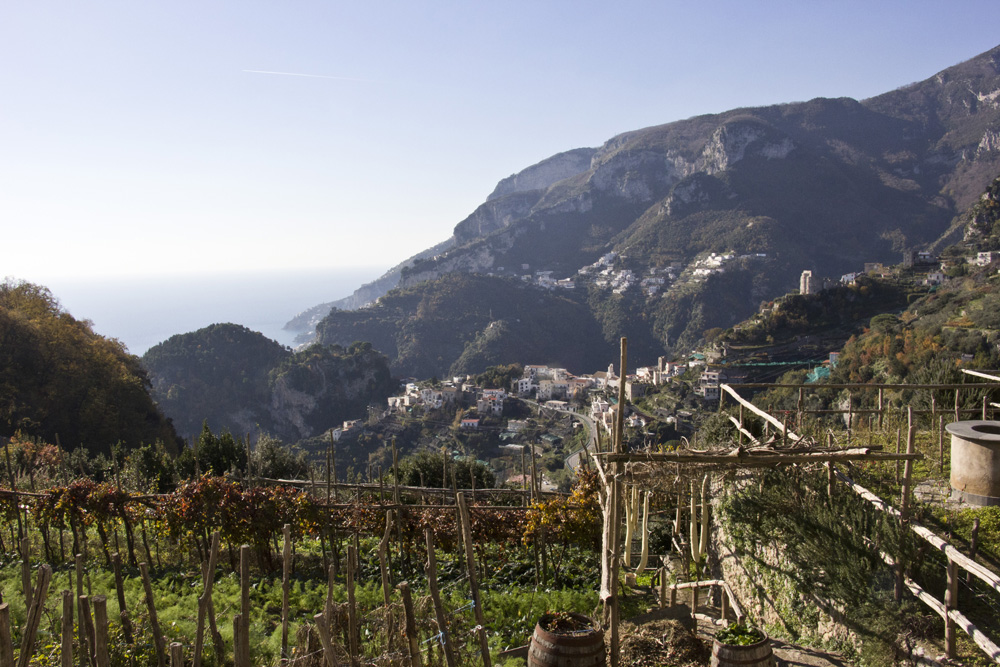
617 465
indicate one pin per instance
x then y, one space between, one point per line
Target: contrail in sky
311 76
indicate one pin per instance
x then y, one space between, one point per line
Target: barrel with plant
742 645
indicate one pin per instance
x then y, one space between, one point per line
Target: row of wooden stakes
92 615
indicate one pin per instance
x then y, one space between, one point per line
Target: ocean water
142 311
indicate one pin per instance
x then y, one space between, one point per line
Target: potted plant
563 637
742 644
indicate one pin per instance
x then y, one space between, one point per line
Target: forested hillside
239 380
61 381
464 323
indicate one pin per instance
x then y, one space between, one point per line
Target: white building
805 282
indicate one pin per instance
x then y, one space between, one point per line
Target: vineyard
223 571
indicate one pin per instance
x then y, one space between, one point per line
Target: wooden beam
743 431
781 385
981 375
752 460
757 411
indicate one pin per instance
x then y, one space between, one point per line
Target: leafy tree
216 454
272 459
429 466
153 467
61 382
499 377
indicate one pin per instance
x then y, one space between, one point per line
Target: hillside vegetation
59 381
239 380
464 323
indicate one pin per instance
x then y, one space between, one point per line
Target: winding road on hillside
573 460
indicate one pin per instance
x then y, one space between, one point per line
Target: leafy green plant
740 634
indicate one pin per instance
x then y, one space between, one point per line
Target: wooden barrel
579 648
751 655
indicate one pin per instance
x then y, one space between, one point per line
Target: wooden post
740 442
984 408
286 573
941 442
335 537
177 654
619 446
950 603
154 623
383 552
673 596
26 570
116 560
101 658
850 416
973 546
904 504
323 630
205 606
244 645
81 628
536 486
904 507
412 640
352 604
723 603
430 569
330 581
470 561
34 615
899 438
13 485
238 641
957 416
880 408
7 644
66 648
694 600
87 629
663 587
524 480
831 478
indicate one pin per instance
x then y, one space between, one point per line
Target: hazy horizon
142 311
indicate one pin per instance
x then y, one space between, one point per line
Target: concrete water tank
975 461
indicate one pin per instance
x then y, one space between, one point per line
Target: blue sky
134 140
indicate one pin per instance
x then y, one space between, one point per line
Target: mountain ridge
822 185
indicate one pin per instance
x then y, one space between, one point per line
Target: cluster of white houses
552 386
457 391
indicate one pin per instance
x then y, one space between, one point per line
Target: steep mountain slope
463 323
823 185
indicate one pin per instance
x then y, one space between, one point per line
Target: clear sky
184 136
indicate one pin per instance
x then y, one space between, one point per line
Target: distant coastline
142 311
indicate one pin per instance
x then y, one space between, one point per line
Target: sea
142 311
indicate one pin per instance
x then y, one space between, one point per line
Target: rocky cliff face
547 172
824 185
